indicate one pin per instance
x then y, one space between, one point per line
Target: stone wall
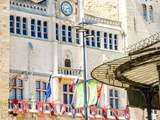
4 58
138 28
102 8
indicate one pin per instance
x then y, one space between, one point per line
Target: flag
99 90
115 113
93 110
126 113
104 112
82 111
24 106
92 92
40 108
73 112
15 103
73 82
63 109
52 109
79 101
48 90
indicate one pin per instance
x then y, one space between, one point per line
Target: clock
66 8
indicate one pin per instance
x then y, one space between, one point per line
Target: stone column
4 58
55 81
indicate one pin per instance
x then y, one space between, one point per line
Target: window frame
57 31
18 25
67 62
93 38
24 26
114 99
33 28
105 35
14 86
115 42
87 38
111 41
45 29
77 37
69 92
151 13
63 33
39 29
41 91
12 24
69 34
98 39
144 9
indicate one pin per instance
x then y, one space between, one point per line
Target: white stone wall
138 28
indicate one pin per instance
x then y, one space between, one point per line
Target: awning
138 68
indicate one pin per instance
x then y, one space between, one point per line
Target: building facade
44 39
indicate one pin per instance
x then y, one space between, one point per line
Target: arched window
151 13
144 7
67 63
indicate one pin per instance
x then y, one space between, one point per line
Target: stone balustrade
94 19
28 7
69 71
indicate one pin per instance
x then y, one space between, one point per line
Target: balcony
101 20
46 109
70 72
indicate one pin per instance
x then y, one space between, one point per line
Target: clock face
66 8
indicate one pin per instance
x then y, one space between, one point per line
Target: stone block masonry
4 58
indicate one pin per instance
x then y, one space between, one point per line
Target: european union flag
48 90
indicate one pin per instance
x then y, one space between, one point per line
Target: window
16 89
144 11
93 39
110 41
113 98
87 38
33 28
67 63
105 41
115 42
77 37
39 29
25 26
40 90
63 33
57 31
69 34
45 30
67 95
11 24
98 39
18 25
151 13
